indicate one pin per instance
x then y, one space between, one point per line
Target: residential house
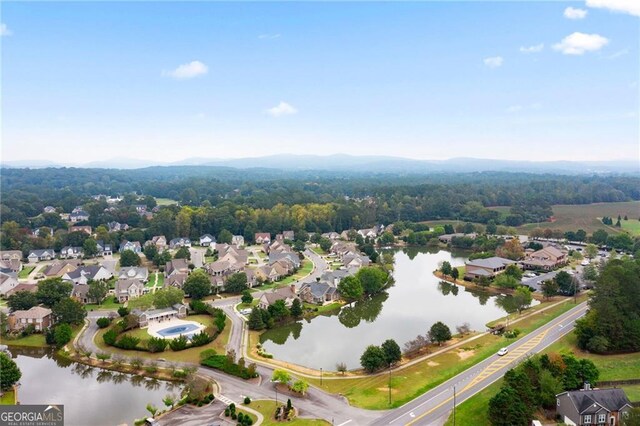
221 267
141 208
78 216
80 293
127 289
334 277
69 252
488 268
262 238
41 255
355 260
318 293
368 232
84 274
160 315
179 242
134 246
30 287
61 267
288 235
547 258
272 272
288 294
49 209
134 273
590 407
446 238
117 226
7 282
104 249
208 240
331 235
160 241
175 280
84 228
10 265
11 255
237 240
233 254
291 256
41 318
176 266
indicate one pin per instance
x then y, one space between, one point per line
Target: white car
503 351
584 262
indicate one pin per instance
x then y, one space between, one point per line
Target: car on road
503 351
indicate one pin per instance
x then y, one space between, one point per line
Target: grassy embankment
268 408
371 392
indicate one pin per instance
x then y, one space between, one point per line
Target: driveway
197 256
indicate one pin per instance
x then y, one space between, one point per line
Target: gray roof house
486 267
207 240
276 256
592 406
128 289
84 274
318 293
176 266
7 282
176 311
69 252
179 242
36 255
134 246
134 273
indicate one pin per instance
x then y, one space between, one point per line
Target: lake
91 396
416 301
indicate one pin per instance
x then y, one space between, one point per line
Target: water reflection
416 301
91 396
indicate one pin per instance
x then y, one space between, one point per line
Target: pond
91 396
409 308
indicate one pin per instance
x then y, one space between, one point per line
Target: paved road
433 405
536 282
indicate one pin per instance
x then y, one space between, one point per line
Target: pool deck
154 328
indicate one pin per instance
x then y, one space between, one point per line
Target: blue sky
433 80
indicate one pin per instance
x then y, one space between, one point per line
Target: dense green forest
216 199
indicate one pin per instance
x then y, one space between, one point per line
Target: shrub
198 306
157 344
247 400
234 416
62 334
110 337
200 339
127 342
207 353
179 343
103 322
221 362
123 311
226 412
180 374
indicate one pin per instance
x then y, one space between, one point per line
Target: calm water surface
416 301
91 396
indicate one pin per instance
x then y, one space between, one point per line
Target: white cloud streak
4 30
536 48
282 109
268 36
632 7
187 71
579 43
573 13
493 62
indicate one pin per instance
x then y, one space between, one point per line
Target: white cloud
519 108
268 36
4 30
514 108
632 7
536 48
618 54
190 70
493 62
281 109
579 43
573 13
200 115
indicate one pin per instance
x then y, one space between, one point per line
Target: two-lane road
438 402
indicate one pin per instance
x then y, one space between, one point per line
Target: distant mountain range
375 164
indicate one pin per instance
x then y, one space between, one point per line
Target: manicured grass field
188 355
318 251
8 398
268 408
411 382
632 225
474 410
165 201
26 271
108 303
34 340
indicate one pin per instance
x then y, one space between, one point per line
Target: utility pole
454 405
320 376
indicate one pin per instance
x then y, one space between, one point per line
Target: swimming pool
187 330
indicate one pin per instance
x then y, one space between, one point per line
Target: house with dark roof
318 293
134 273
134 246
70 252
176 266
80 293
175 280
78 216
488 268
208 240
41 255
590 407
179 242
117 226
104 249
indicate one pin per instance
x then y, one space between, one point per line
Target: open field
632 391
165 201
632 225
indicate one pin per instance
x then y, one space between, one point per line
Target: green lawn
189 355
268 408
165 201
411 382
632 391
109 303
632 225
26 271
34 340
152 280
8 398
474 410
318 251
324 308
